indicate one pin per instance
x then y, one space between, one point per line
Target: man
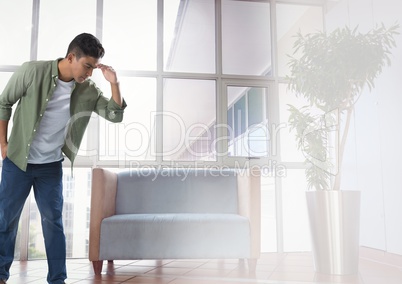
55 100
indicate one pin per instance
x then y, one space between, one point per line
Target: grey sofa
174 214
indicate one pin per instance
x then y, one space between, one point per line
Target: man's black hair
86 45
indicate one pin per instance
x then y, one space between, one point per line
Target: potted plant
331 71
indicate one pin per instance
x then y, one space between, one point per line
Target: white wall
375 146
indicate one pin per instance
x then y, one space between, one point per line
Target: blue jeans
15 186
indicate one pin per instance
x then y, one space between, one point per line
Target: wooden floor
375 267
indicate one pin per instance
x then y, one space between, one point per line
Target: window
290 20
129 34
75 216
56 29
204 81
189 119
134 138
246 38
247 121
15 31
189 36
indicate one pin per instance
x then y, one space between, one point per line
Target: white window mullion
158 119
35 30
24 237
274 115
26 210
99 19
221 93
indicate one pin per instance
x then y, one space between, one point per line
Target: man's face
82 68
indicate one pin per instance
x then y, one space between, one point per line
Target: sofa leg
97 264
252 264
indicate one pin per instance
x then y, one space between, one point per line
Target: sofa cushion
176 190
158 236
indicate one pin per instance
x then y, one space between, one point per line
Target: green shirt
32 87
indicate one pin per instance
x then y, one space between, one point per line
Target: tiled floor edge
381 256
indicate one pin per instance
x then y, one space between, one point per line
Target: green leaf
330 70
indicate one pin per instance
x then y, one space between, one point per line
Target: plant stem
337 183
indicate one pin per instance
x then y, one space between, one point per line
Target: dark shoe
3 281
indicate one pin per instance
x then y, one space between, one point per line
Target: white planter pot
335 224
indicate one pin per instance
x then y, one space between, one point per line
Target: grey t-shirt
49 139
